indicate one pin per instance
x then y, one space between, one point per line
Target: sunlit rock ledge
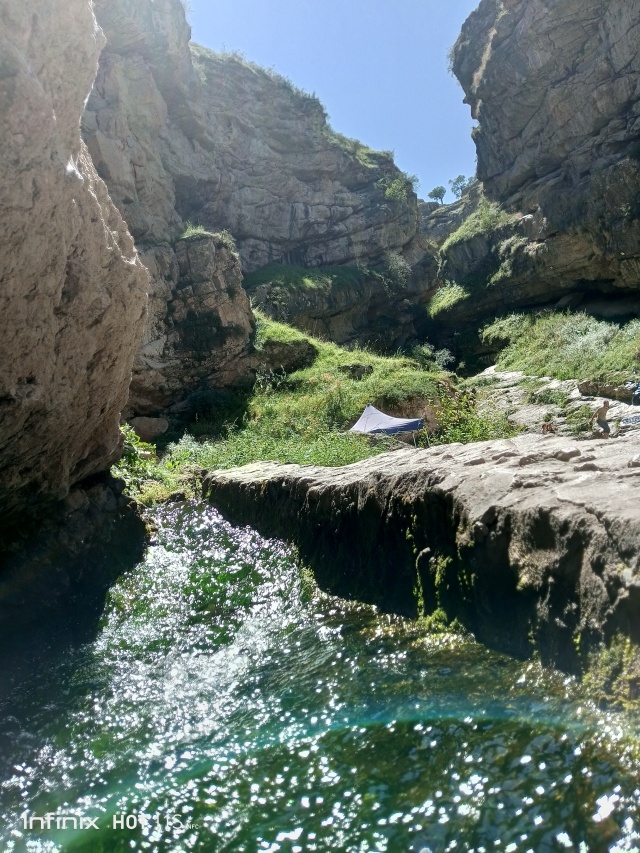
533 543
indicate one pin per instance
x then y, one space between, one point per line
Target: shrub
461 421
192 230
446 297
487 217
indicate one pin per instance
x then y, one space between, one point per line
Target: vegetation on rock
487 217
446 297
460 184
438 194
566 346
304 417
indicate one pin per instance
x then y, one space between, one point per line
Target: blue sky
379 67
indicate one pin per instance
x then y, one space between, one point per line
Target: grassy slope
304 417
567 346
297 418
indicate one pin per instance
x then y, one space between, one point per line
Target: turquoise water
225 705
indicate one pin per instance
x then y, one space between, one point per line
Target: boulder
149 428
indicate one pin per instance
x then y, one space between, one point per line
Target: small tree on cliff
459 185
438 194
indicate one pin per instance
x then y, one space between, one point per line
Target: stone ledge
533 542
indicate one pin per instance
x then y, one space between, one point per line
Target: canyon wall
555 89
182 135
73 292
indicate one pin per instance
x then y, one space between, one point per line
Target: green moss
436 622
613 673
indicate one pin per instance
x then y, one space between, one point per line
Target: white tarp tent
373 421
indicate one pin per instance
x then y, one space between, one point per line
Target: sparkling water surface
225 705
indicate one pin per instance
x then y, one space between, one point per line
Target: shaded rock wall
526 540
384 310
72 290
555 88
199 325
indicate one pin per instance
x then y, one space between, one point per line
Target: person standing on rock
600 417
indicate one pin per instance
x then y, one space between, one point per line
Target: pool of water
225 705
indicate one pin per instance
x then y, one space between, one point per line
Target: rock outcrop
555 88
533 542
199 327
384 309
182 135
73 292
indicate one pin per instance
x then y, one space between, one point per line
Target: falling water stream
225 705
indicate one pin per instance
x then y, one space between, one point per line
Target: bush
487 217
461 421
446 297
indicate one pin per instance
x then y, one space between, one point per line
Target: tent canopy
374 421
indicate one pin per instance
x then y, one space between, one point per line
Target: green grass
566 346
191 230
548 397
461 422
310 278
304 417
368 157
194 231
487 217
446 297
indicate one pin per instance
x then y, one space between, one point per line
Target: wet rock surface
533 542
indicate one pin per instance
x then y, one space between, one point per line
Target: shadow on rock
55 573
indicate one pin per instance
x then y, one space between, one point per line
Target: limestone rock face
73 292
180 134
555 88
381 310
533 541
199 325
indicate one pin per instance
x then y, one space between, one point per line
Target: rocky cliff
555 88
183 135
73 292
525 540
